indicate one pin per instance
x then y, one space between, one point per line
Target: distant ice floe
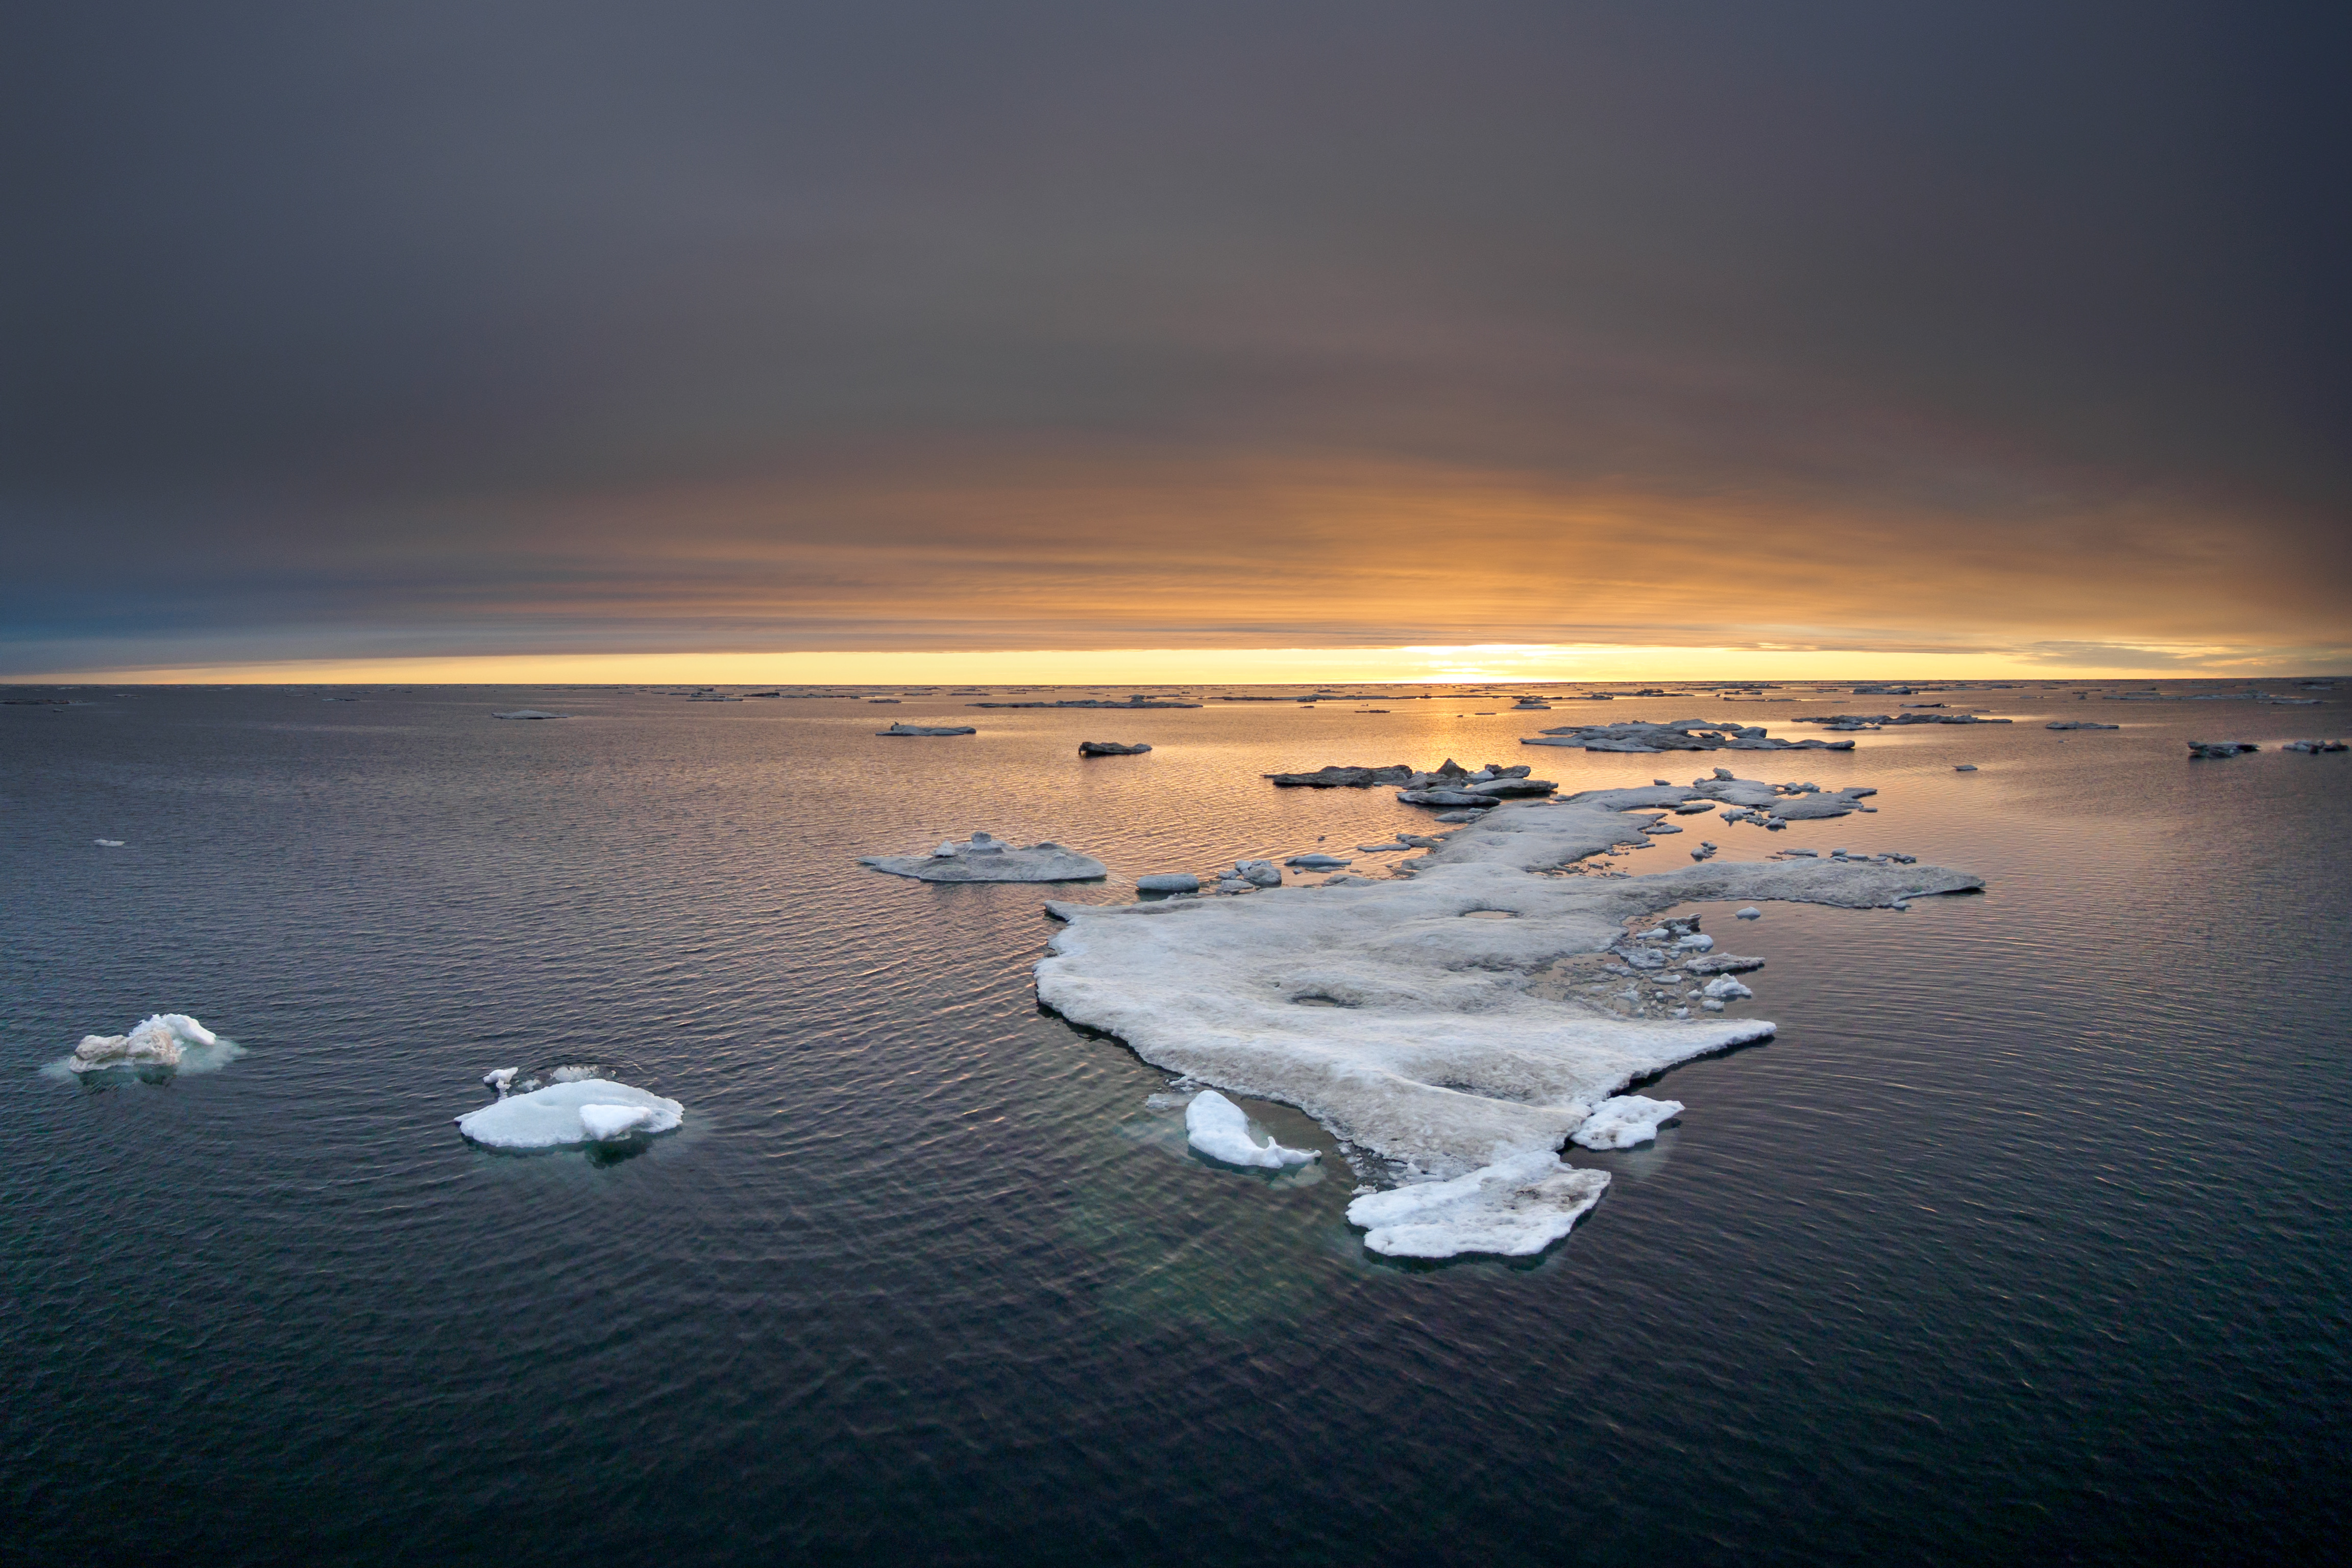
1220 1129
529 713
1452 1047
584 1111
172 1040
109 843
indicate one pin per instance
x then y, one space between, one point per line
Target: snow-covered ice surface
1410 1031
1514 1206
585 1111
1220 1129
162 1040
1624 1121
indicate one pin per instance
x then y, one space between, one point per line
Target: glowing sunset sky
1185 342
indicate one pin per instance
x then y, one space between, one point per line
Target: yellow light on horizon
1528 662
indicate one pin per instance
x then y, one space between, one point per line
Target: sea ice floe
1514 1206
160 1040
1625 1120
1220 1129
587 1110
984 858
528 713
1437 1042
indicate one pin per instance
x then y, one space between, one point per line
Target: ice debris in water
108 843
1514 1206
1220 1129
585 1111
1624 1121
160 1040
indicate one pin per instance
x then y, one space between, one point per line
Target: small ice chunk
160 1040
108 843
1169 882
1964 767
1749 913
1696 943
553 1117
1516 1206
1316 861
1220 1129
1626 1121
500 1079
606 1122
1723 988
1258 873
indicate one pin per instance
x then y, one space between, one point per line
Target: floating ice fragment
559 1114
108 843
1751 913
1220 1129
1169 882
982 859
1626 1121
160 1040
1516 1206
500 1079
1723 988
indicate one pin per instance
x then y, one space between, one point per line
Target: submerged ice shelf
1428 1037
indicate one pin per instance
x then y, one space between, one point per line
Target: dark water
2026 1240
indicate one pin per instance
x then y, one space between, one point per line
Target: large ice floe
1675 735
984 858
173 1041
585 1111
1464 1050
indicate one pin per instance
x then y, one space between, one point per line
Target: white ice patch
1626 1121
1514 1206
1220 1129
567 1113
172 1040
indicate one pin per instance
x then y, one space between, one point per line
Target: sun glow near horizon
1527 662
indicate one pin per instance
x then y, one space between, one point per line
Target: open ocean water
2026 1240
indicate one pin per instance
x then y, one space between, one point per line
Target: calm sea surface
2027 1240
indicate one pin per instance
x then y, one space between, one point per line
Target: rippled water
2026 1239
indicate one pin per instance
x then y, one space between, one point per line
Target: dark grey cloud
322 321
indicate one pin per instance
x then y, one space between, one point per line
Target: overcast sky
479 327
